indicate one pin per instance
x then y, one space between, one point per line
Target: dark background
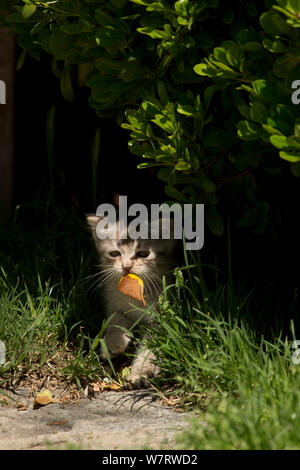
37 89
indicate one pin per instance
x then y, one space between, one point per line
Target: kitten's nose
126 269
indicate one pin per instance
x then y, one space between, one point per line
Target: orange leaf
132 286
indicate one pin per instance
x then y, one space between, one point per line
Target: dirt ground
118 420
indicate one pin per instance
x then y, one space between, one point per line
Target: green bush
204 88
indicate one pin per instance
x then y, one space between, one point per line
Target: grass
240 379
46 318
247 385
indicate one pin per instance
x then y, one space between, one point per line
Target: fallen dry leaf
21 406
95 386
100 386
112 386
57 423
42 398
4 400
132 286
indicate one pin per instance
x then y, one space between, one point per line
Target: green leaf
294 142
274 45
220 55
155 7
181 7
229 71
164 123
103 18
205 183
271 130
152 107
153 33
290 156
112 39
164 174
28 10
228 15
154 21
15 18
76 28
130 71
279 141
273 23
66 86
99 81
267 90
285 64
248 130
21 60
253 46
245 111
297 127
186 109
137 148
182 21
168 149
258 112
162 92
234 55
118 3
174 193
107 65
141 2
206 69
247 35
182 165
295 5
251 9
132 117
61 45
141 166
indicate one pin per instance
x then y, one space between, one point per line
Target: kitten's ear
93 220
116 199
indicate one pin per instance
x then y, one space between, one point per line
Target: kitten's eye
142 254
114 254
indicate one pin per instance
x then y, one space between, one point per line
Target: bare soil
118 420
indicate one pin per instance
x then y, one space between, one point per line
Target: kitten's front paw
115 345
142 369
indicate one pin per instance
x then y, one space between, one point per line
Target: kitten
148 259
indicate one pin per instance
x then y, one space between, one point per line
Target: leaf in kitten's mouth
132 286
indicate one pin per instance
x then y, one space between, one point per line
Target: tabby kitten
148 259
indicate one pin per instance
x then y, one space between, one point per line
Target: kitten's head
149 259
